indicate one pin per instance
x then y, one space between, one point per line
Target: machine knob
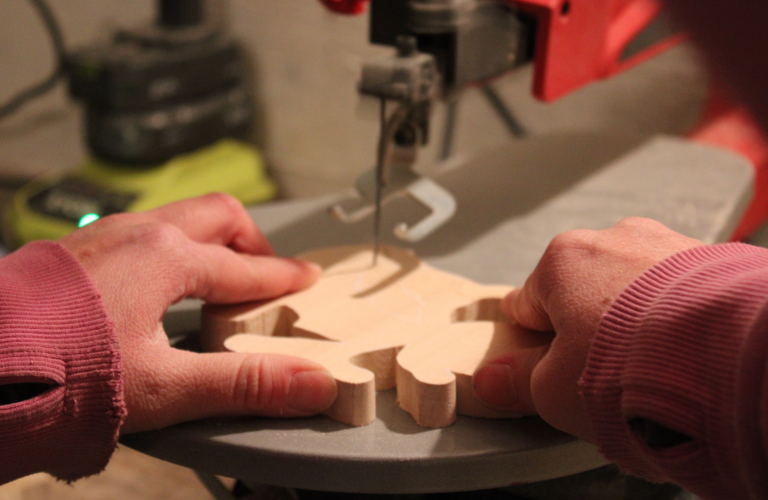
346 6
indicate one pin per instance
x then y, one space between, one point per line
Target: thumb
194 386
504 382
523 305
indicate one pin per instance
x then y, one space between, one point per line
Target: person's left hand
206 248
577 279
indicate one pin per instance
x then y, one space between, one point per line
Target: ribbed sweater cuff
54 329
670 350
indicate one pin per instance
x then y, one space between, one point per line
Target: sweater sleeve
685 347
55 331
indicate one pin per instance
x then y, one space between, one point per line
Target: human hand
577 279
205 248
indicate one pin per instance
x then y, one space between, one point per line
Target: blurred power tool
444 46
167 107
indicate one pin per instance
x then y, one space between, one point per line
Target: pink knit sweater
685 347
54 330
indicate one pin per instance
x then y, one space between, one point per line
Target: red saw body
578 42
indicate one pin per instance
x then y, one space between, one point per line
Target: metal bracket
434 197
401 183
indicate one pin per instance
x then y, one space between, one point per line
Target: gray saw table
511 202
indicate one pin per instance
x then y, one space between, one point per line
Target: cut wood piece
399 323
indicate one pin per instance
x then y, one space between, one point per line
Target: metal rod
379 178
506 114
451 108
389 128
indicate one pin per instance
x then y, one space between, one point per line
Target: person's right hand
207 248
577 279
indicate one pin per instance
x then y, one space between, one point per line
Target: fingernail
316 268
311 271
311 391
494 386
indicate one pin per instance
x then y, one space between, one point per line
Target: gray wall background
317 133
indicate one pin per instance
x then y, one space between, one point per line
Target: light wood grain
399 323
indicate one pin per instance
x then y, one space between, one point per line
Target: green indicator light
87 219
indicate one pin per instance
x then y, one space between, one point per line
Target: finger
503 383
524 306
215 218
193 386
219 275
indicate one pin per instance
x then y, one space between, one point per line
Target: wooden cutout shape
400 323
